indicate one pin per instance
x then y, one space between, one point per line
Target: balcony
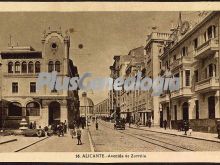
181 61
207 85
182 92
164 98
206 48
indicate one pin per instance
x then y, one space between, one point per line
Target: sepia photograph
117 82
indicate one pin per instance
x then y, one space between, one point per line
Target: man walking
97 125
79 134
165 124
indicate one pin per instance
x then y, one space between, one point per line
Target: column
63 114
44 112
156 111
184 78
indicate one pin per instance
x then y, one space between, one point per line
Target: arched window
211 32
10 67
37 67
30 67
33 109
24 67
57 66
17 67
14 109
50 66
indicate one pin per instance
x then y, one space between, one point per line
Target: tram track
154 141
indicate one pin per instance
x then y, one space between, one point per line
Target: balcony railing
180 61
206 48
157 35
182 92
164 98
209 84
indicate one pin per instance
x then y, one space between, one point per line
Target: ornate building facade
20 67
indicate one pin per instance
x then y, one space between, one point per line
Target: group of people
182 126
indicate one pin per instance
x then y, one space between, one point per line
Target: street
107 139
134 140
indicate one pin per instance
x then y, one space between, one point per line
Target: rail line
160 143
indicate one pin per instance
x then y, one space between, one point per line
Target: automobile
119 124
34 133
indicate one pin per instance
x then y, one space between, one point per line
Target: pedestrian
129 123
31 126
79 134
34 125
65 127
190 131
62 129
46 130
165 124
149 123
96 125
185 123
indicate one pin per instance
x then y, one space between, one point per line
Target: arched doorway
185 111
14 109
54 112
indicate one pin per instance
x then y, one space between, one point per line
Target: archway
33 109
54 112
14 109
185 111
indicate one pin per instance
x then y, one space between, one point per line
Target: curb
91 142
31 144
178 135
8 141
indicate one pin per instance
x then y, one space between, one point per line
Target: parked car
119 124
34 133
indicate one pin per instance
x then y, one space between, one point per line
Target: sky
103 34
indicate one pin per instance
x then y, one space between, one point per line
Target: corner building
19 72
193 56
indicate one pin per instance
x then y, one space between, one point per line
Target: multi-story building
154 46
135 99
102 109
20 67
114 96
193 56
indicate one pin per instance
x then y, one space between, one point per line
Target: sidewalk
195 135
20 142
7 139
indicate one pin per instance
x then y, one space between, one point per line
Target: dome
85 101
86 105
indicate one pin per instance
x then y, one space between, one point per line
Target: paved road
133 140
61 144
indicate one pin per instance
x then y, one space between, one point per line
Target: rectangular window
210 70
197 109
33 87
14 87
185 51
187 72
195 43
175 112
205 38
174 57
196 73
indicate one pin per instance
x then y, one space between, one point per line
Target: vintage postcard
110 82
